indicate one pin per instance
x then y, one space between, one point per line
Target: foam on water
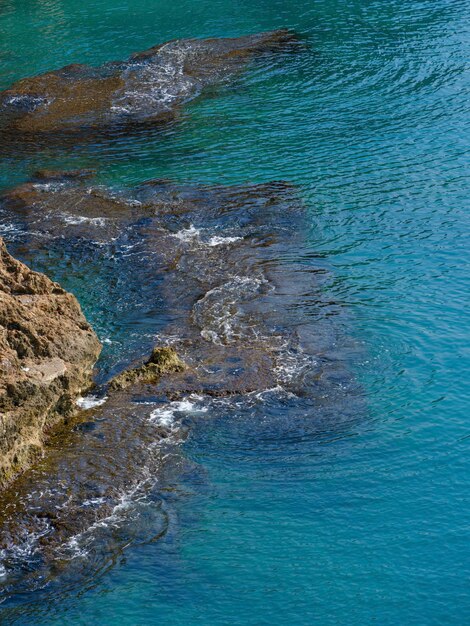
156 83
293 363
218 313
51 186
80 219
27 101
169 415
193 234
217 240
82 544
90 402
188 234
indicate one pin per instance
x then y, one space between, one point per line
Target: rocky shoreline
207 274
47 352
47 348
215 256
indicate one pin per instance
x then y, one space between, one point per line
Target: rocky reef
47 351
209 281
147 88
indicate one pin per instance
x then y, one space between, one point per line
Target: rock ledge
47 352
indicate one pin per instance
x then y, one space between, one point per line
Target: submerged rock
146 88
209 252
208 255
47 351
220 269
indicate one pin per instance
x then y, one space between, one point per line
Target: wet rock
62 176
147 88
204 250
221 268
71 205
163 360
47 351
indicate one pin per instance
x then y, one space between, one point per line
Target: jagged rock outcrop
47 351
147 88
163 360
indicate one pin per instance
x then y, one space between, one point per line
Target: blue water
364 523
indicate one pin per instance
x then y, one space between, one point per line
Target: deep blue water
357 523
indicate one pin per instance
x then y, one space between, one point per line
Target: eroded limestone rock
47 351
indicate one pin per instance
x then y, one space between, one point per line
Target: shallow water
278 511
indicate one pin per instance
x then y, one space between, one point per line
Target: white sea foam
166 415
218 311
93 501
9 228
28 101
188 234
51 186
76 546
81 219
155 84
25 546
18 99
193 234
90 402
291 365
222 241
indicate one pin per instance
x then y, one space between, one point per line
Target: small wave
166 416
222 241
90 402
216 313
80 219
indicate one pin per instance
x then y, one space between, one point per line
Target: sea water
275 521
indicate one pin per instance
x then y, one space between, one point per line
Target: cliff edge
47 352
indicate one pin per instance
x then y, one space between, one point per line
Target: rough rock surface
146 88
47 351
163 360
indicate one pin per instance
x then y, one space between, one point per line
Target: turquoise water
363 523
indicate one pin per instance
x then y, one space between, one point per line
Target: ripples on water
280 512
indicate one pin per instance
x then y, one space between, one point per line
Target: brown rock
47 351
148 87
163 360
